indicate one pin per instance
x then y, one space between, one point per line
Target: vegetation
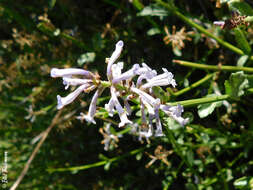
207 45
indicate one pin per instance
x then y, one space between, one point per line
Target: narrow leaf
242 41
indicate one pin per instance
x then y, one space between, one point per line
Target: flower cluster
136 83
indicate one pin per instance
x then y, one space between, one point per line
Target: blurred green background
214 152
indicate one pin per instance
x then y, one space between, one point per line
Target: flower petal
70 71
63 101
114 57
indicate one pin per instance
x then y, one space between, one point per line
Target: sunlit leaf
206 109
153 10
242 41
236 84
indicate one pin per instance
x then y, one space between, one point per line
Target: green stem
197 101
213 67
174 10
194 85
97 164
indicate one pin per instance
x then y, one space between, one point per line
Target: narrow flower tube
175 112
122 114
146 134
158 131
93 106
150 108
74 82
219 23
113 58
144 96
127 75
116 69
161 80
143 115
147 75
70 98
110 107
127 106
69 72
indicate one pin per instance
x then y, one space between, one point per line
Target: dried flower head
176 38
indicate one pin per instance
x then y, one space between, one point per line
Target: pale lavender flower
109 138
75 82
159 131
63 101
127 75
69 72
92 109
144 96
143 115
160 80
114 57
110 107
145 72
146 134
116 69
219 23
127 106
175 112
121 112
146 79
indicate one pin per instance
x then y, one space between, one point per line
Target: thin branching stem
213 67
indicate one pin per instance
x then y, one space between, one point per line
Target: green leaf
153 31
153 10
242 7
107 166
52 3
236 84
250 79
86 58
244 183
242 41
206 109
242 60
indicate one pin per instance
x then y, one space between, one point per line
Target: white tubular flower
127 75
70 98
149 107
146 134
145 68
144 96
175 112
127 106
75 82
219 23
122 114
161 80
148 75
69 72
110 107
159 131
114 57
116 69
143 115
93 106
